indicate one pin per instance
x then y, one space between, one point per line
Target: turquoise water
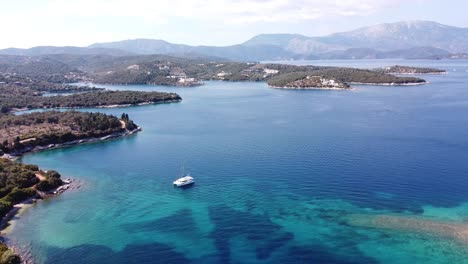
282 176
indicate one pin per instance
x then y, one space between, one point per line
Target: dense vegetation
19 182
19 97
45 69
345 75
20 132
7 256
284 79
52 181
15 181
38 85
167 70
398 69
159 72
351 75
108 98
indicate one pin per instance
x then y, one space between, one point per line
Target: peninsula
44 130
398 69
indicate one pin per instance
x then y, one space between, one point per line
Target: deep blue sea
372 175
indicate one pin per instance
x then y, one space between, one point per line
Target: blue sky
27 23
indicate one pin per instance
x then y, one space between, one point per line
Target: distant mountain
235 52
245 53
404 35
145 46
281 40
294 43
383 37
408 40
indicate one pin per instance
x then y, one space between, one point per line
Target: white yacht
186 180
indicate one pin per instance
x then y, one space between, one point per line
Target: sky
28 23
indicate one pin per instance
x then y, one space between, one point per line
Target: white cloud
230 11
70 22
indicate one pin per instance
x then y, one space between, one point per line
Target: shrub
9 257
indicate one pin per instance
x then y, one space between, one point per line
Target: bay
281 176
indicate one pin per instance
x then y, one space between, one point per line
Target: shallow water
279 173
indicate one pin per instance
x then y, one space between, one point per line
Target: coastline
18 154
16 110
177 85
418 73
311 88
348 88
7 223
15 211
127 105
391 84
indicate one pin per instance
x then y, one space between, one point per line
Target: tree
124 117
4 109
17 142
9 257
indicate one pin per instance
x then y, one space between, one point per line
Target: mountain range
408 40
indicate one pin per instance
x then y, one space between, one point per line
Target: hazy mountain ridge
145 46
403 35
407 40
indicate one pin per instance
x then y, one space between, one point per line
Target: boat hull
183 184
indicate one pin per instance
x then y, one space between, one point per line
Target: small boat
184 181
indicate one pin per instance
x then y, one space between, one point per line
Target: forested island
191 73
17 97
398 69
62 69
41 130
306 81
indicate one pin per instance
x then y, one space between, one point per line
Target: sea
378 174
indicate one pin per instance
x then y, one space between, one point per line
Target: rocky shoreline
419 73
409 70
310 88
15 155
68 185
19 110
6 225
391 84
139 104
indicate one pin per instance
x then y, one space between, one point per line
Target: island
17 97
51 129
305 81
63 69
190 73
398 69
